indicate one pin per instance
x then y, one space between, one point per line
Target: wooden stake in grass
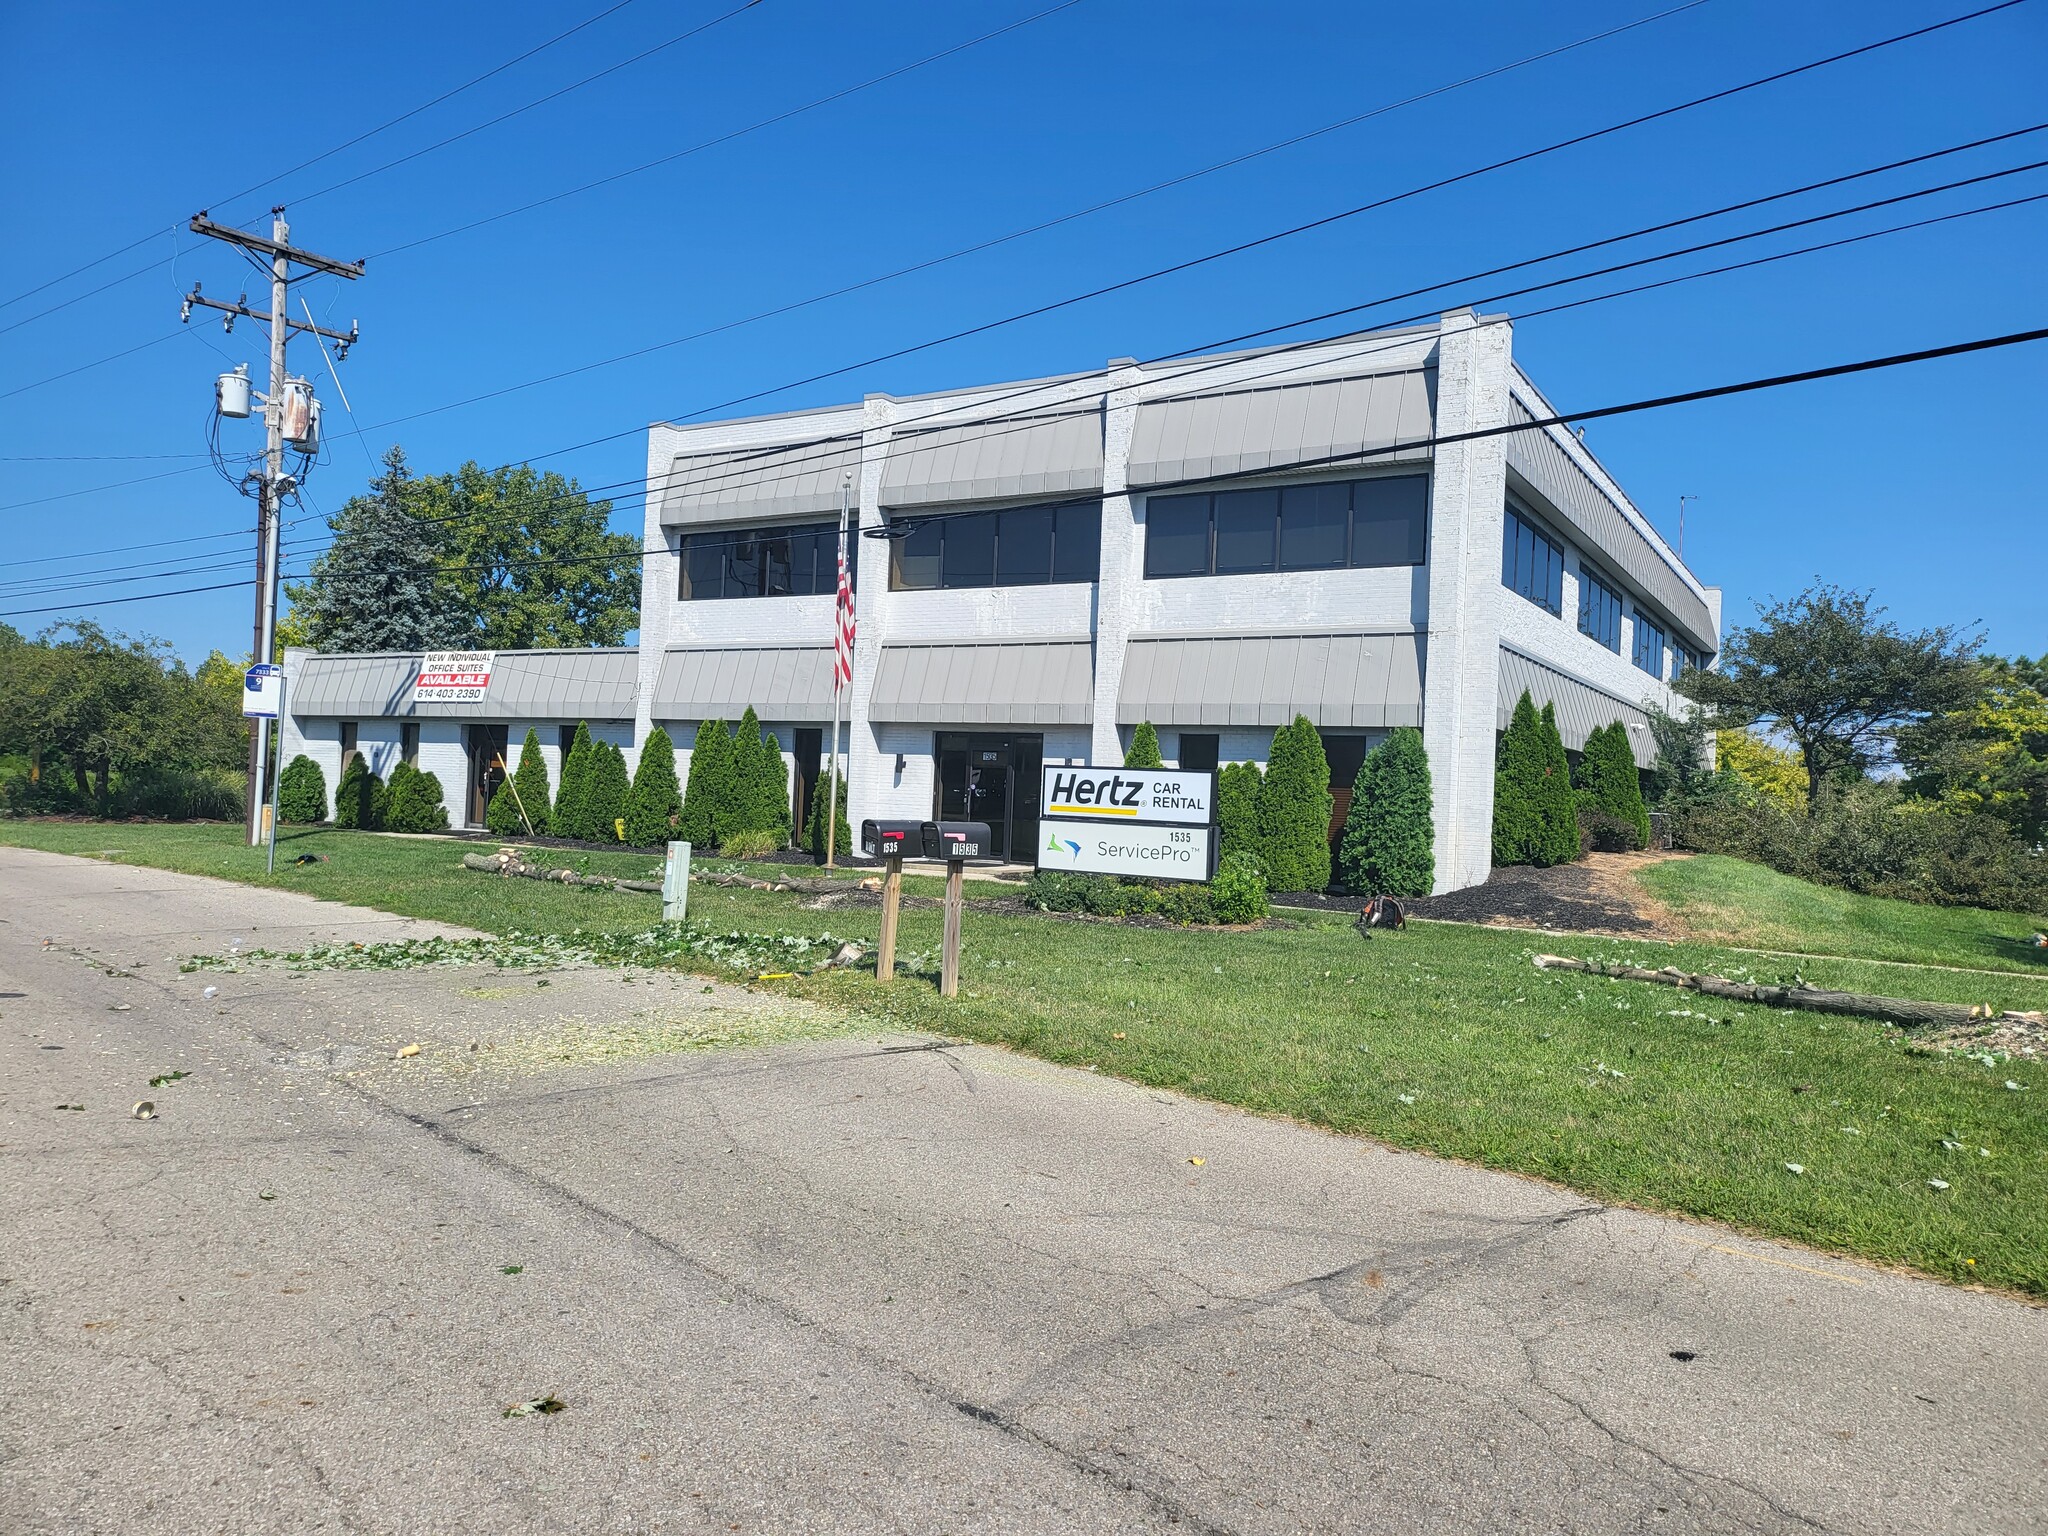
949 959
1904 1012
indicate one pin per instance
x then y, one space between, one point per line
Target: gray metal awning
967 682
1337 680
1566 492
1256 430
1581 708
1051 455
525 685
789 683
796 480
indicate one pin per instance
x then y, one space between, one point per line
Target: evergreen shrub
1237 810
605 796
706 790
842 835
302 792
654 806
1389 844
1238 893
1294 810
359 797
413 802
1560 800
1144 751
571 816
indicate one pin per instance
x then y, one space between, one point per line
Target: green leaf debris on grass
513 1269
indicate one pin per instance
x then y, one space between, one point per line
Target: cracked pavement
858 1283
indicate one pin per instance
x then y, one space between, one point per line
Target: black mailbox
891 839
951 840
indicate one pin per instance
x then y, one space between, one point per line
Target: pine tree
605 798
375 587
842 834
359 797
655 804
1144 751
1294 810
1237 810
1390 833
572 795
1560 803
1518 824
302 792
704 793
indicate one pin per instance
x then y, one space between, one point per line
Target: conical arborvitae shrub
1518 789
842 834
1389 846
519 805
758 783
414 802
572 796
705 791
1613 785
1294 810
1560 802
1237 811
605 798
1144 751
655 805
302 792
359 797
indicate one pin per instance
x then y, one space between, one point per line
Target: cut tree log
508 863
1904 1012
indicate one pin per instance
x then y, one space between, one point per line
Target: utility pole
1681 523
288 398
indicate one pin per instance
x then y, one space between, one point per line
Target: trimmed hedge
1237 895
359 797
302 792
1294 810
1389 844
654 807
413 802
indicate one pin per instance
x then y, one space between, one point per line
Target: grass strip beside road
1443 1039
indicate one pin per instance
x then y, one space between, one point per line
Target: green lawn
1740 903
1443 1039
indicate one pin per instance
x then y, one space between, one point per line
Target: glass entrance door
992 778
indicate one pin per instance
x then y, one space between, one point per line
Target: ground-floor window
1199 753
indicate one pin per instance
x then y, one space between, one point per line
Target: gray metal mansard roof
525 685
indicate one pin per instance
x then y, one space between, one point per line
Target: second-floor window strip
1599 609
1010 547
1326 526
789 560
1531 562
1648 650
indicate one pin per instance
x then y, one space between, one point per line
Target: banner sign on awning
1130 794
453 677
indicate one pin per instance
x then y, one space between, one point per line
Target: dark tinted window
970 551
1648 650
1024 547
789 560
1176 535
1357 523
1077 543
1314 523
1198 753
1599 610
1390 521
1531 563
1245 526
916 566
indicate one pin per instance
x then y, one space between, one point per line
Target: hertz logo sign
1129 795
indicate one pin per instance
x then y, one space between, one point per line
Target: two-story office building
1213 544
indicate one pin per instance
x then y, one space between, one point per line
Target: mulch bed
1565 897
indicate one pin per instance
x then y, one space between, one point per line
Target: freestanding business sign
453 677
1158 823
263 691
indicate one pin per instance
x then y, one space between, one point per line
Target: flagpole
838 640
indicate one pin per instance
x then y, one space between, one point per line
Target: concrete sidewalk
858 1284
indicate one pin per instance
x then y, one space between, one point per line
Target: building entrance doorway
994 779
487 746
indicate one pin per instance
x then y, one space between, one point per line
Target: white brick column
868 769
1468 493
1121 570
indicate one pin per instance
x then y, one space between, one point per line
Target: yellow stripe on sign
1094 810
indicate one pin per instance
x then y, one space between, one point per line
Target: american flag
842 646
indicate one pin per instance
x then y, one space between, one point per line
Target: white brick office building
1212 544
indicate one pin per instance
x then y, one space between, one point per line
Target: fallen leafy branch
508 863
1904 1012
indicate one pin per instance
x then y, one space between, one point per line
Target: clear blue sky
1923 483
